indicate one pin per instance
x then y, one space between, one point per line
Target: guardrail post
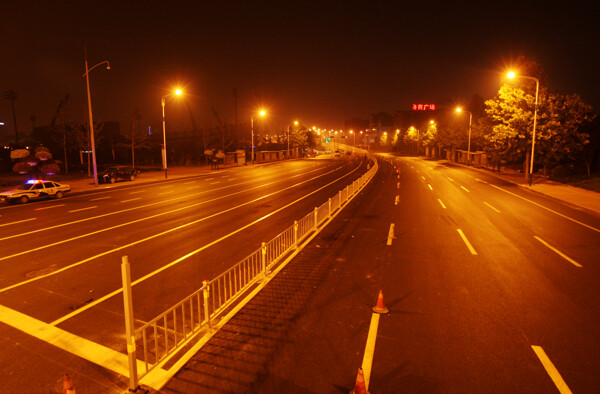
296 234
316 217
329 207
353 187
129 327
264 259
206 293
339 198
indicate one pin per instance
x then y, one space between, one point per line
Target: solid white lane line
430 188
491 207
561 385
50 207
441 203
558 252
214 183
464 238
165 187
208 179
139 191
390 234
193 187
182 258
465 189
187 183
547 209
452 180
83 209
100 198
163 193
18 221
131 199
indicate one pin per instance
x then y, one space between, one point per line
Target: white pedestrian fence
168 332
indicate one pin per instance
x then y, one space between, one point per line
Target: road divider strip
558 252
17 222
50 207
391 235
491 207
559 382
83 209
466 241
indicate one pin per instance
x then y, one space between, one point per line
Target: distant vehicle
113 174
35 189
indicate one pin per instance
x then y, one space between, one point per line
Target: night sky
318 62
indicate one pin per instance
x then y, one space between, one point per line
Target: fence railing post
339 198
129 327
264 258
296 234
206 293
316 217
329 213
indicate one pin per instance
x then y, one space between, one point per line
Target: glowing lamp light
511 74
262 112
178 92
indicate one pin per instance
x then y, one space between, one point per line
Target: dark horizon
319 64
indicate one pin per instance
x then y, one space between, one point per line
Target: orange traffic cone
359 386
380 307
68 385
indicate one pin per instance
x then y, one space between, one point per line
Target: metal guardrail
170 331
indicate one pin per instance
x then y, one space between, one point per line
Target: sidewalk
577 196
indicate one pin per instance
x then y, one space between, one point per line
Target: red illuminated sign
423 107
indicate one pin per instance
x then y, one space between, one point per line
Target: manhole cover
41 272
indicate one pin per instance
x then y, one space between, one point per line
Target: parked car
35 189
113 174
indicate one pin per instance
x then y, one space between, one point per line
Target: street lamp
262 112
87 83
177 92
288 138
537 88
469 145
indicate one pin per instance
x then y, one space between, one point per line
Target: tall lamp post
469 145
537 88
87 83
164 148
262 112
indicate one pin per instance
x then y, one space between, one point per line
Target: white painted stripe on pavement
18 221
139 191
561 385
423 177
164 193
83 209
214 183
100 198
187 183
441 203
367 362
558 252
50 207
84 348
391 234
464 238
450 179
465 189
491 207
131 199
430 188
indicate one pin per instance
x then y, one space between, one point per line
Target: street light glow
178 92
458 109
262 112
510 74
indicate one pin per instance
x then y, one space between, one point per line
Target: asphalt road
61 258
491 289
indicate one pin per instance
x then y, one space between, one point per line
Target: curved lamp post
537 88
177 92
92 142
262 112
469 145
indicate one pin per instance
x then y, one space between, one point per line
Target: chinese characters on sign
423 107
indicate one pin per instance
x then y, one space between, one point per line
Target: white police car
34 189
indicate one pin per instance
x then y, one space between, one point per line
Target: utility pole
12 96
236 95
